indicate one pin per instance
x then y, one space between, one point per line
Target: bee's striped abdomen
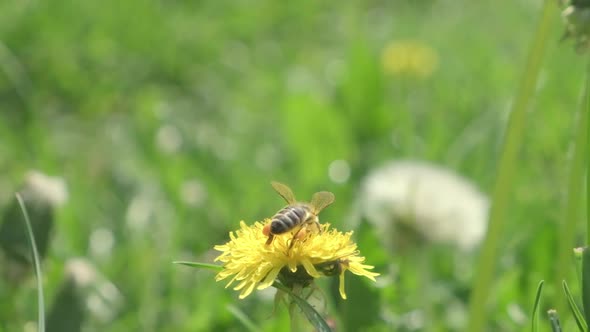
287 218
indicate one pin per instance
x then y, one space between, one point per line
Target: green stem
297 318
506 170
586 283
36 265
574 193
586 153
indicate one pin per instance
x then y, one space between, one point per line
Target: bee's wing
284 191
321 200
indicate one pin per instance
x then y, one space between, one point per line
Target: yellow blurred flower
411 58
252 263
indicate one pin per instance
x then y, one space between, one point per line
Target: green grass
506 173
37 266
265 90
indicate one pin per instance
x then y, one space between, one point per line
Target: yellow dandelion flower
412 58
253 264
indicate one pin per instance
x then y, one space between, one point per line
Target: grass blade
582 325
555 325
312 315
534 321
507 167
586 283
588 159
573 208
200 265
37 265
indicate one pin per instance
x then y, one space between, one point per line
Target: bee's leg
293 240
317 224
270 238
295 237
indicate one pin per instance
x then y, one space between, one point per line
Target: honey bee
296 214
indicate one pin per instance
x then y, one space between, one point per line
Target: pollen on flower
251 264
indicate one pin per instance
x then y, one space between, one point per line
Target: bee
295 214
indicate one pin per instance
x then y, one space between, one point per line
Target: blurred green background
168 119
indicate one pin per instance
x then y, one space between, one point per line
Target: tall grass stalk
587 153
298 322
506 170
37 266
585 260
574 193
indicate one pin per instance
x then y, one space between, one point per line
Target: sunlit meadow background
168 119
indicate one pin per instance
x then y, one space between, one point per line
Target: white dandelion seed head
104 302
516 313
103 298
339 171
141 211
52 189
169 139
438 203
81 271
193 193
101 242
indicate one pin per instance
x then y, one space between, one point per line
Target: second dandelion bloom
251 263
409 58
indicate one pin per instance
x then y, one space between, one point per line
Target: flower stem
574 194
506 170
587 109
583 150
297 318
